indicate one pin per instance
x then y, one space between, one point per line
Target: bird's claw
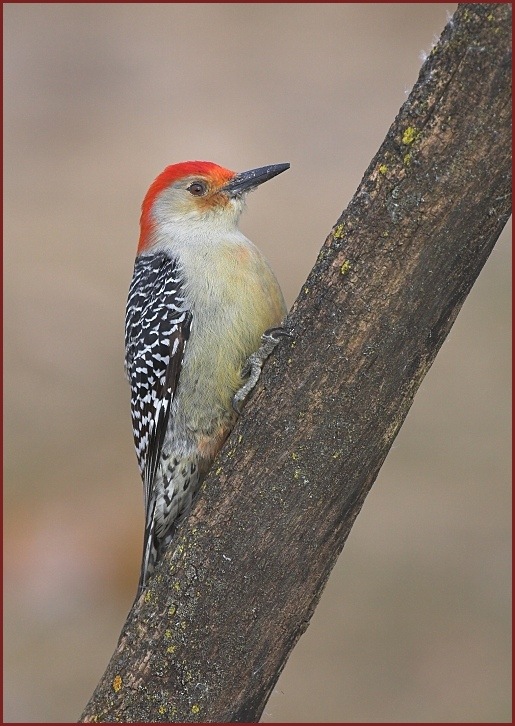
275 335
254 363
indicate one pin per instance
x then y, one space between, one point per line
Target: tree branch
208 639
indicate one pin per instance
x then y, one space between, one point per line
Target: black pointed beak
247 180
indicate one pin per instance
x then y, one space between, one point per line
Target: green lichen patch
410 135
344 269
339 232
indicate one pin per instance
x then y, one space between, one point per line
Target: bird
204 311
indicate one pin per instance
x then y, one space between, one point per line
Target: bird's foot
254 364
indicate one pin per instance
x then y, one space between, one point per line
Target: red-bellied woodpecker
202 315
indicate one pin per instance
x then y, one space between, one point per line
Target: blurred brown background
414 624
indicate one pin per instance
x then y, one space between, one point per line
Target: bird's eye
197 189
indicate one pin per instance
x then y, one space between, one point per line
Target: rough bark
209 638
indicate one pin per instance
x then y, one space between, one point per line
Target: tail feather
159 530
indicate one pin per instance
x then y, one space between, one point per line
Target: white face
199 199
193 213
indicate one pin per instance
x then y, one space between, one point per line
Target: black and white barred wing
156 330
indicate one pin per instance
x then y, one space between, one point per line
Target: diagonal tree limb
208 639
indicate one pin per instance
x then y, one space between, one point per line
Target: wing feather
156 332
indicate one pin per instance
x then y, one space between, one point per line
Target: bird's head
197 194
